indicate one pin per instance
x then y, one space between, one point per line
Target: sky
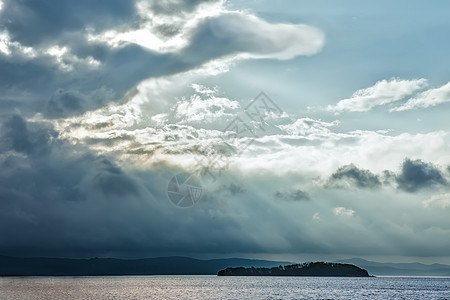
306 130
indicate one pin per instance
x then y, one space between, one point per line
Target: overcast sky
347 154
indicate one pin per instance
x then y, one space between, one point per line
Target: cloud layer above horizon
103 103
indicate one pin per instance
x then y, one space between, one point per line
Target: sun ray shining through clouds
283 130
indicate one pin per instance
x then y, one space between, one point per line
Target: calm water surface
213 287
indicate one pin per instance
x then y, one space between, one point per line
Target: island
306 269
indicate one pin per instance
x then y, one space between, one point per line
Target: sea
214 287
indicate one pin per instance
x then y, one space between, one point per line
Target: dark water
213 287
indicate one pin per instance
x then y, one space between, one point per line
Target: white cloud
4 41
154 31
159 119
307 146
342 211
204 106
67 61
440 201
196 109
232 33
152 25
8 47
315 156
198 88
260 39
431 97
383 92
308 126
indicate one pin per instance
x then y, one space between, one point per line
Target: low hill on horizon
175 265
399 269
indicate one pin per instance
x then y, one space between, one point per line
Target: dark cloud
233 33
388 178
66 103
33 22
17 136
52 169
69 85
413 176
46 88
229 190
214 39
26 75
113 181
59 199
47 187
296 195
112 141
59 92
417 174
168 30
350 176
39 85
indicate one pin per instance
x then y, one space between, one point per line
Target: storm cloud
417 174
413 176
51 56
350 176
57 199
38 22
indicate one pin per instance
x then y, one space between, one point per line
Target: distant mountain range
39 266
399 269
